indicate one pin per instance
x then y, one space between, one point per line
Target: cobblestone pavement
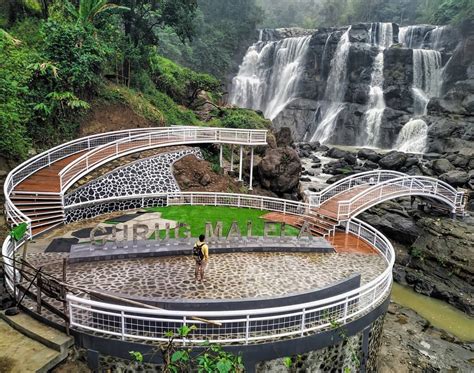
228 276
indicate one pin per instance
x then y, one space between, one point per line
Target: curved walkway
337 205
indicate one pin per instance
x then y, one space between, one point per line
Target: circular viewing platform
287 291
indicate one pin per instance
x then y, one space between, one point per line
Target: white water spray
427 78
381 34
335 90
413 137
269 75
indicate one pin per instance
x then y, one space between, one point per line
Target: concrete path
27 345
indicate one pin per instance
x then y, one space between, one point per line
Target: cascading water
435 37
381 34
335 90
427 78
269 75
413 137
324 55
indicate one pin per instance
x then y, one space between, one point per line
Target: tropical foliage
59 57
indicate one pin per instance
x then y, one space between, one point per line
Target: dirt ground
111 117
195 175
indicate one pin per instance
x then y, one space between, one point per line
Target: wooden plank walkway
46 179
342 242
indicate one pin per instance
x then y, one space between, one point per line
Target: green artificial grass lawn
198 216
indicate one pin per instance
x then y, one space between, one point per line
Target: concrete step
22 347
38 331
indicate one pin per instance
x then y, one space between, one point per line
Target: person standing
201 256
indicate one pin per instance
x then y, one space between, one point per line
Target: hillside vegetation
60 58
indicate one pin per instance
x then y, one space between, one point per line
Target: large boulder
441 166
280 170
284 137
393 161
455 178
369 154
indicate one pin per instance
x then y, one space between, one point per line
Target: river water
440 314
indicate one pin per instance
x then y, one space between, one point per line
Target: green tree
224 30
89 9
14 111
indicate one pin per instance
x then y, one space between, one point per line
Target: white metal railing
45 159
241 326
211 199
162 137
398 187
86 144
316 199
9 249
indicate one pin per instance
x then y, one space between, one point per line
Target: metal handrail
45 159
343 308
318 198
192 198
415 185
170 136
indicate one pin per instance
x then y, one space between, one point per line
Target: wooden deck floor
342 242
46 179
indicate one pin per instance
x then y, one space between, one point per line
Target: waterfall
434 37
412 36
381 34
413 137
269 75
335 90
324 54
427 78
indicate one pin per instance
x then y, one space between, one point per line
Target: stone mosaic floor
229 276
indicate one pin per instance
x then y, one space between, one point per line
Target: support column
221 163
232 158
240 161
251 167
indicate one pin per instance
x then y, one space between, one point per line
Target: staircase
319 224
44 209
31 346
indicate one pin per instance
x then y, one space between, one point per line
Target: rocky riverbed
434 252
411 344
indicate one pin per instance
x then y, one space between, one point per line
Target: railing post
303 321
184 323
346 307
247 329
38 293
122 318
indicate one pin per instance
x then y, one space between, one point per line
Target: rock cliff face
384 75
